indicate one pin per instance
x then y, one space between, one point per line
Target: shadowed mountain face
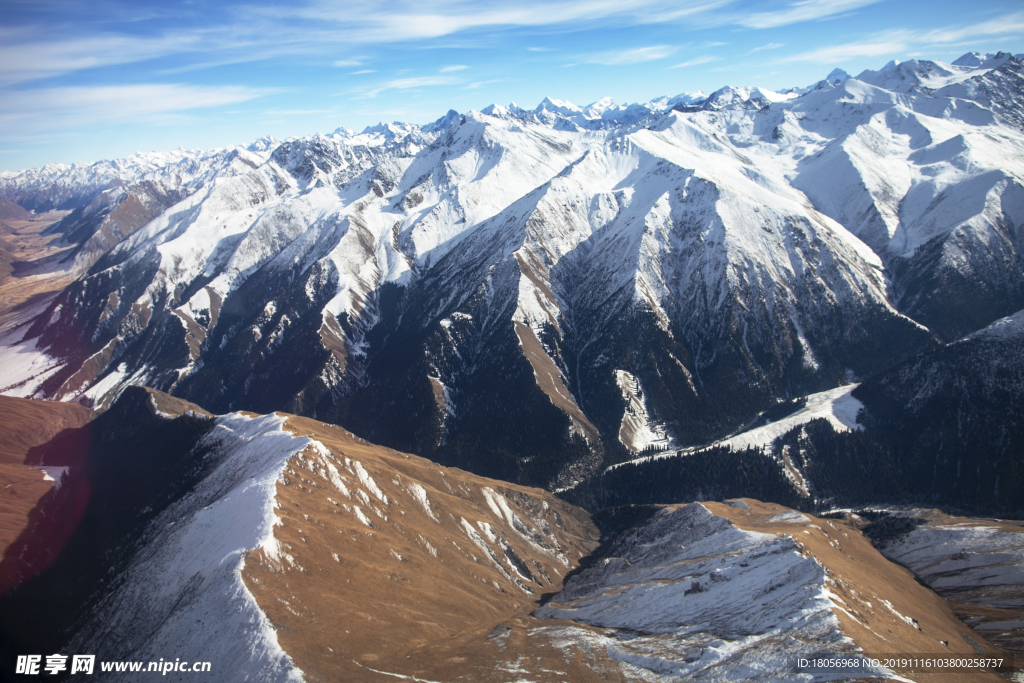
943 428
27 424
117 472
534 295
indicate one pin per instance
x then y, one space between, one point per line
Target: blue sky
104 79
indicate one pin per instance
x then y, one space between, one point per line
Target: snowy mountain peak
526 234
391 131
443 123
602 105
971 59
266 143
563 107
664 103
1005 329
496 110
911 76
750 97
837 75
997 60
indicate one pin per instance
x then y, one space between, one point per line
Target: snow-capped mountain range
535 294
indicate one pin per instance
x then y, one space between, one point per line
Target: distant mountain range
536 295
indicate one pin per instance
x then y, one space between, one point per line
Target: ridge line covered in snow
184 591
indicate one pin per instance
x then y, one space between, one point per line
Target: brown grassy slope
24 424
403 591
11 211
6 260
174 406
414 595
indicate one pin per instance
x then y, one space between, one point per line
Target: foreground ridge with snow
183 592
615 273
280 540
976 564
717 592
281 548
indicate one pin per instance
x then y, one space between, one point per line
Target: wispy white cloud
769 46
902 42
803 10
896 42
24 112
411 83
705 13
696 61
635 55
419 82
29 56
413 20
357 34
296 112
200 66
316 27
840 53
453 68
1005 25
479 84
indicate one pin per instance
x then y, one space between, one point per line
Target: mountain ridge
419 284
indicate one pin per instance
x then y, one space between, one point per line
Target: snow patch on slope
638 431
1005 329
53 473
23 366
419 494
700 599
838 406
962 556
